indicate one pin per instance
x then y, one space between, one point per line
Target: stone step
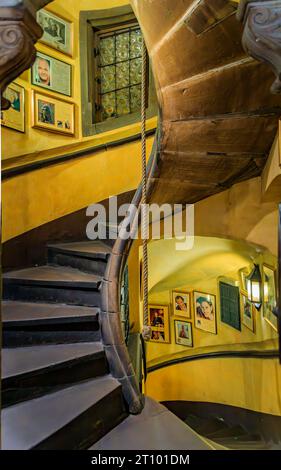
72 418
32 371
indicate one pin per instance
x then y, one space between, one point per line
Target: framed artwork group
184 306
199 309
48 112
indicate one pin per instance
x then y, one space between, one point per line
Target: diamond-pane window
119 64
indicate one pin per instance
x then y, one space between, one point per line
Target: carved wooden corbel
18 33
262 34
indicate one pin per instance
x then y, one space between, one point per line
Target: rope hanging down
144 218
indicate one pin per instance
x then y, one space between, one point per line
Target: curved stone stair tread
90 249
231 432
156 428
53 275
27 424
231 444
23 360
205 427
15 313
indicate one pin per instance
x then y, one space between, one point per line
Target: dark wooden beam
18 33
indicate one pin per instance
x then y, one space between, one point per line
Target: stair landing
156 428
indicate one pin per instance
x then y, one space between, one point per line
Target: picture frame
52 114
52 74
205 311
57 31
247 313
243 274
158 319
181 304
14 117
269 295
183 333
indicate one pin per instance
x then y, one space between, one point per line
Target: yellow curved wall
254 384
35 198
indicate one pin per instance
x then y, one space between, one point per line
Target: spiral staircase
67 376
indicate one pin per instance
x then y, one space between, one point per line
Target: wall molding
249 354
37 165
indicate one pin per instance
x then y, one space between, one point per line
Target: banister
110 320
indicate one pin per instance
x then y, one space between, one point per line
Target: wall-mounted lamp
254 284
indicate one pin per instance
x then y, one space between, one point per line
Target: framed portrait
243 273
181 304
269 295
52 114
14 117
205 311
247 313
58 32
52 74
183 333
158 319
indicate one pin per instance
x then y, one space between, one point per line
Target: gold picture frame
205 311
181 306
57 31
270 303
183 333
158 319
14 117
243 274
52 114
248 312
52 74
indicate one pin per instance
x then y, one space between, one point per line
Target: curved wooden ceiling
219 118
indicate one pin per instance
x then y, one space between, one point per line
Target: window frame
92 23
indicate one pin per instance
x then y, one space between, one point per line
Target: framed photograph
269 295
183 333
205 312
247 313
52 74
14 117
181 304
52 114
243 273
158 319
58 32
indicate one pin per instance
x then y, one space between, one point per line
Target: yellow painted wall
35 198
271 176
254 384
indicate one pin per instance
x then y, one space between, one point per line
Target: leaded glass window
119 63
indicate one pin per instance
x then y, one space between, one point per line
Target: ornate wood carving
18 33
262 34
